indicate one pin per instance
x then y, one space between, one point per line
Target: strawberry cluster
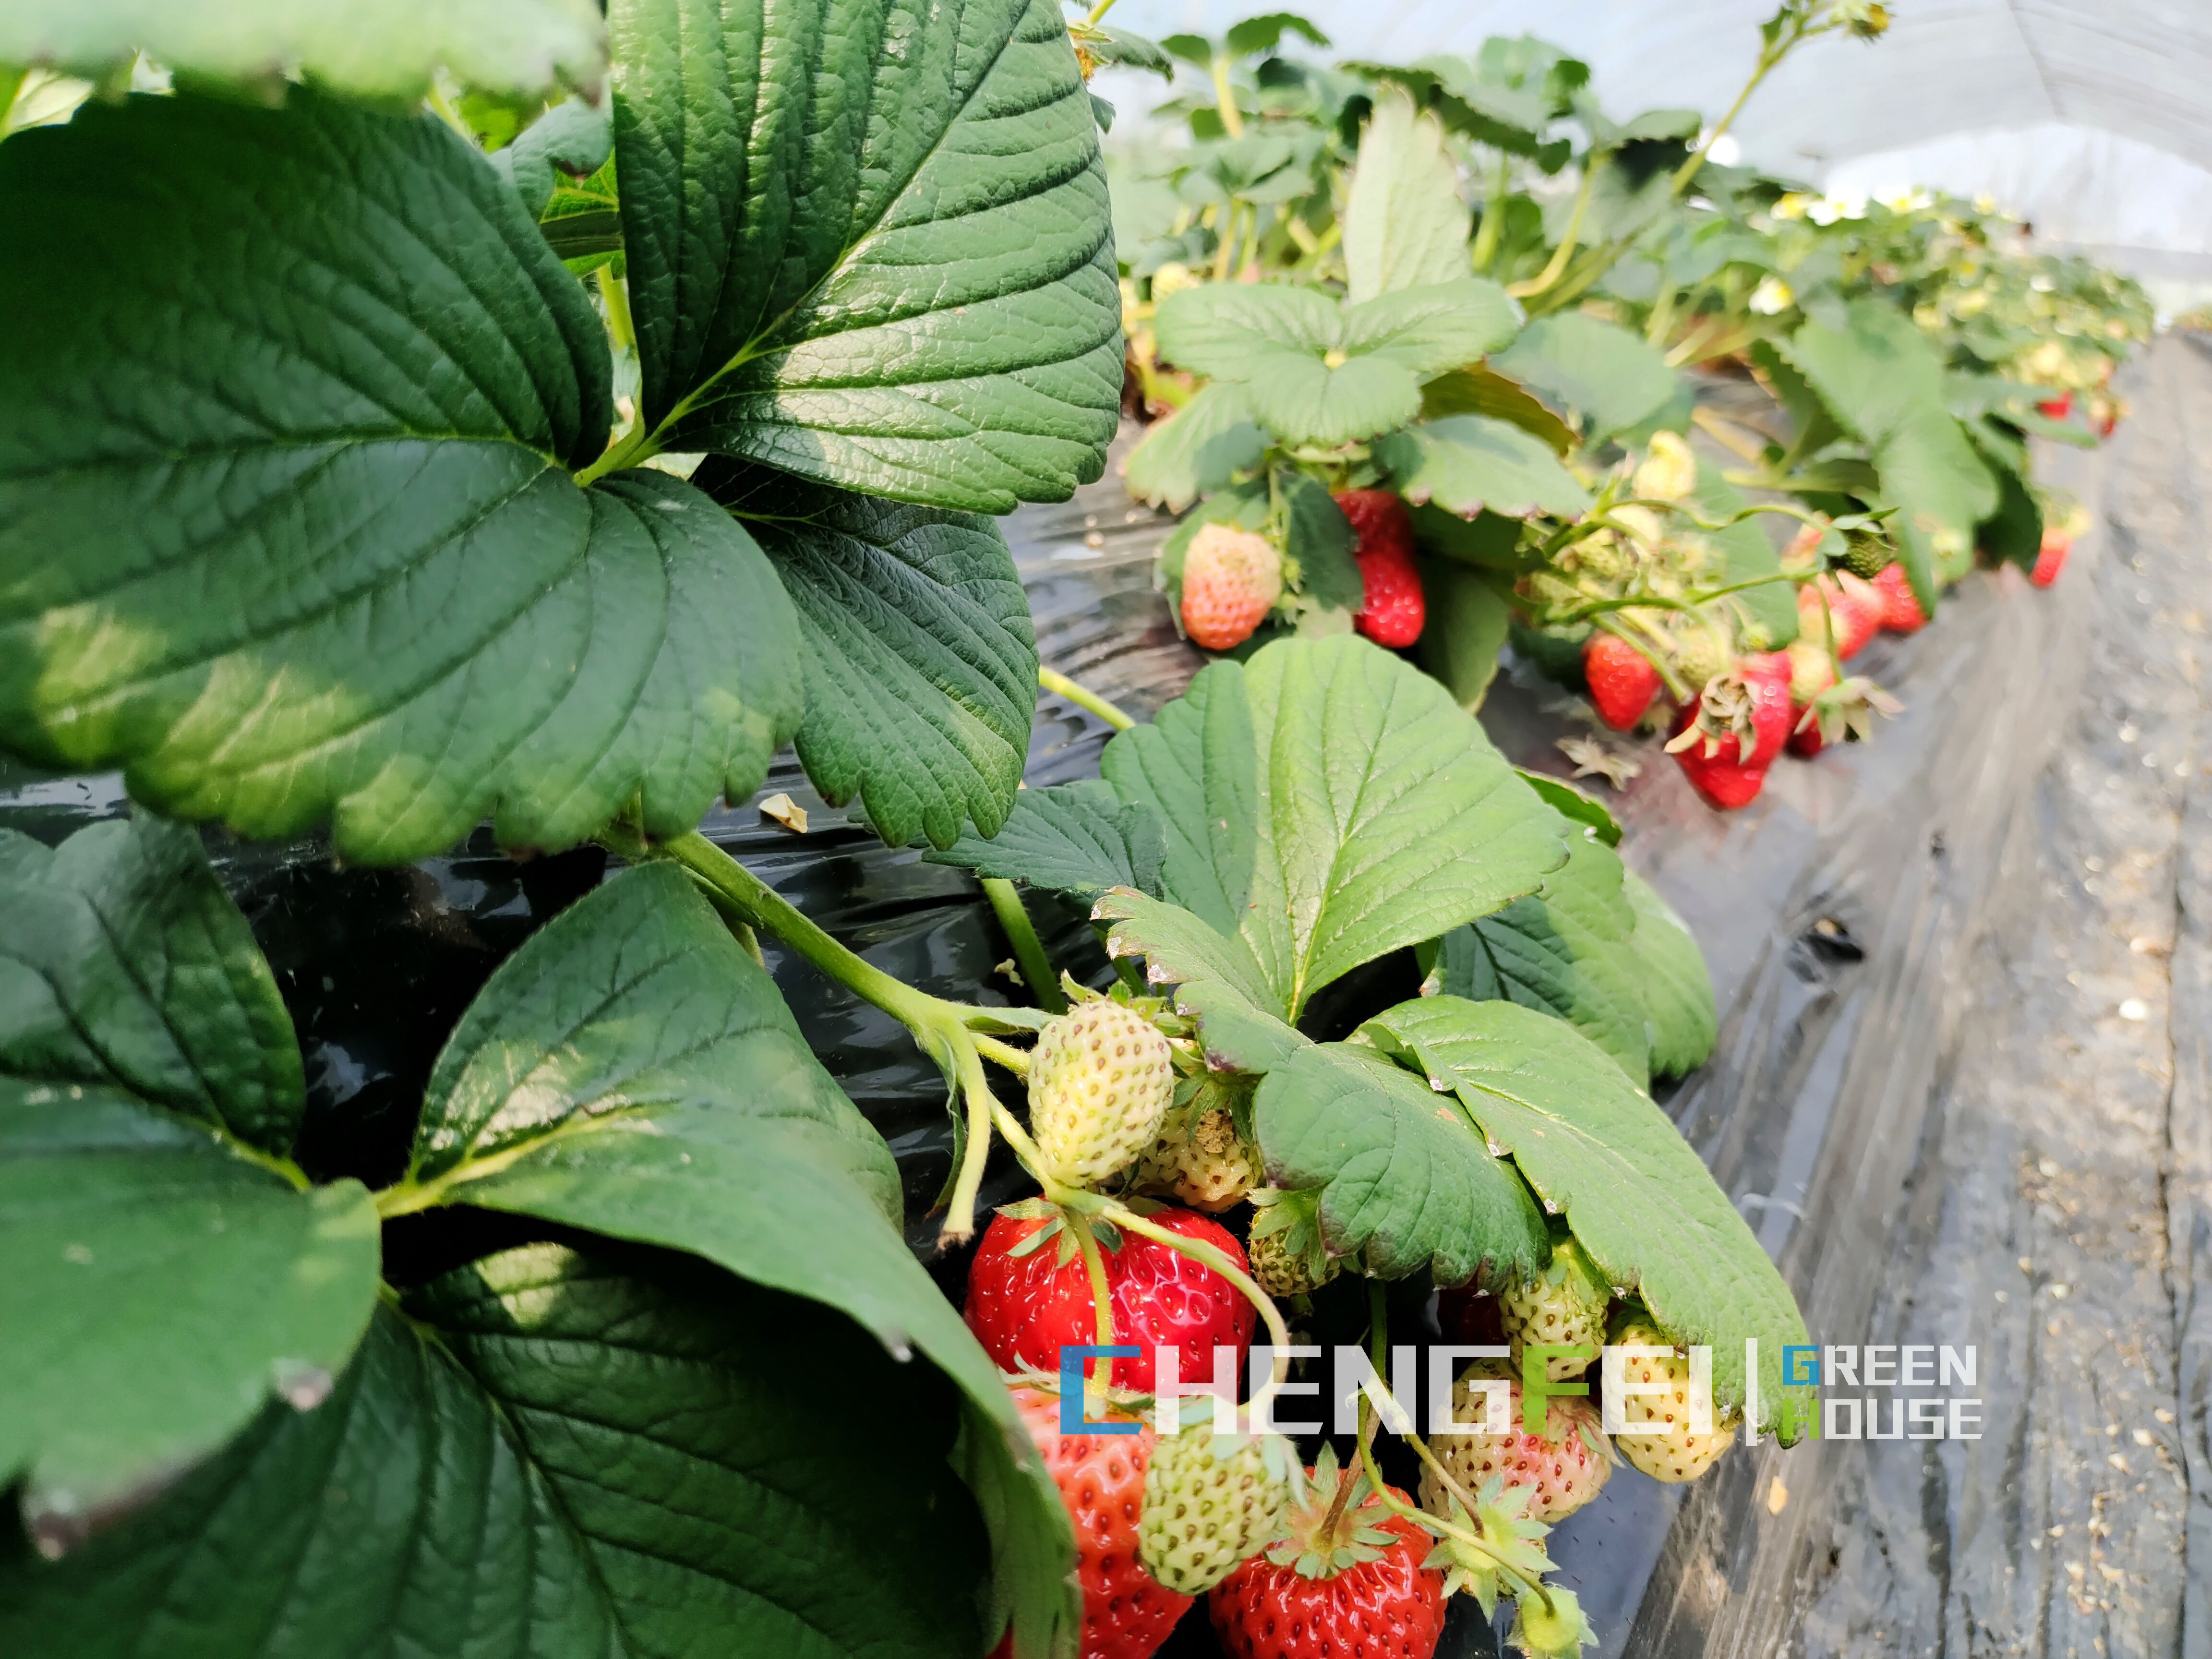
1294 1562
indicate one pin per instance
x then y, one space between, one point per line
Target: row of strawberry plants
382 453
1455 428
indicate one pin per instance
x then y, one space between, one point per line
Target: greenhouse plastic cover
2089 118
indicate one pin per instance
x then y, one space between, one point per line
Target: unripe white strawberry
1678 1455
1101 1079
1562 1469
1281 1268
1564 1308
1199 1159
1209 1504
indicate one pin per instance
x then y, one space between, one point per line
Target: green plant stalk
1224 101
1487 233
616 293
1102 1304
1081 1200
1378 1348
1029 950
1602 260
1198 1250
1557 263
1060 686
635 446
941 1028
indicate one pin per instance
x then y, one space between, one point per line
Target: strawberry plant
1535 487
324 501
1291 820
390 450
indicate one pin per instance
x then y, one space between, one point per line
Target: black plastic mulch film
1886 1010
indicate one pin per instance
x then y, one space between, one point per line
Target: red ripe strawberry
1023 1309
1382 542
1725 742
1622 681
1231 579
1382 1604
2058 408
1853 608
1900 608
1126 1614
2050 558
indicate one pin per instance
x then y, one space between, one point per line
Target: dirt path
2059 1211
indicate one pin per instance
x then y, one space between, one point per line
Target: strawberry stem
1212 1256
950 1033
1028 950
1102 1302
1060 686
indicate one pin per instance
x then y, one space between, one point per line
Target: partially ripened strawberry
1210 1503
1852 611
1127 1613
1231 579
1725 742
1024 1308
2050 558
1679 1453
1623 683
1562 1469
1900 606
1382 544
1101 1079
1346 1582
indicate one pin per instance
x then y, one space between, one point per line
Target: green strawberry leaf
549 1453
1406 1181
123 963
1605 377
1196 450
1595 1145
385 50
1314 371
1327 803
1404 223
1569 803
1465 463
1484 391
1565 951
1217 982
1317 535
150 1088
1469 618
161 1287
298 388
632 1072
1076 838
1678 990
1884 383
889 271
1118 48
572 140
920 658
